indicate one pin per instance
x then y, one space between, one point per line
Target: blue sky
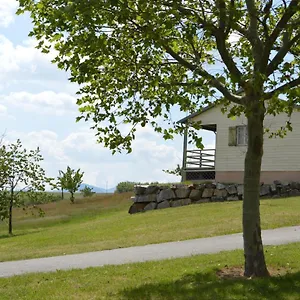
37 105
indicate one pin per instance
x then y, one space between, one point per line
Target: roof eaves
195 114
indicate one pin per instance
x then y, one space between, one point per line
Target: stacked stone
158 197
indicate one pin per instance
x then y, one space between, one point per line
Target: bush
39 198
125 186
87 191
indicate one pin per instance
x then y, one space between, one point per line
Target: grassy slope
102 222
183 279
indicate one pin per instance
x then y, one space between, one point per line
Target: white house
225 161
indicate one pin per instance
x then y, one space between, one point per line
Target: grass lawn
185 278
102 222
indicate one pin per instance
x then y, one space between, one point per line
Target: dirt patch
237 272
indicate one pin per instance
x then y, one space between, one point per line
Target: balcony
199 164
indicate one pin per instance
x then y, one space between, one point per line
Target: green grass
183 279
102 222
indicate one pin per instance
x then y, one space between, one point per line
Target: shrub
87 191
125 186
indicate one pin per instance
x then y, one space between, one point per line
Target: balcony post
183 169
200 161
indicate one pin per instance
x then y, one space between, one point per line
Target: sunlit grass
102 222
184 278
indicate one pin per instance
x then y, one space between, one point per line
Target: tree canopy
70 180
21 173
135 60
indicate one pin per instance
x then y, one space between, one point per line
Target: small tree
71 181
125 186
87 191
20 173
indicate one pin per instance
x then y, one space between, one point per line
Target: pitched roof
197 113
239 91
206 108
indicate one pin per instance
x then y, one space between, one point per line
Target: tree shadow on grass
208 286
8 236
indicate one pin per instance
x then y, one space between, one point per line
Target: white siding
279 154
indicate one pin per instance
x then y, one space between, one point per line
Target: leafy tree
137 59
87 191
125 186
22 178
71 181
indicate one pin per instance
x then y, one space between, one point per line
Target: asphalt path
152 252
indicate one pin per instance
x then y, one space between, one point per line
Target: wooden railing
201 159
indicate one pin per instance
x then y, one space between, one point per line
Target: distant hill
97 189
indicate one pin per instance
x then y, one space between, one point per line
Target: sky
38 106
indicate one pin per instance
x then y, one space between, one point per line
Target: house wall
280 155
266 177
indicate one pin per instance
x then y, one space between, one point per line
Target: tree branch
192 12
289 12
21 190
227 58
214 82
253 32
177 57
282 88
196 53
282 52
266 11
222 14
220 35
240 28
177 83
230 17
226 93
221 45
291 51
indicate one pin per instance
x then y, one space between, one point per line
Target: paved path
216 244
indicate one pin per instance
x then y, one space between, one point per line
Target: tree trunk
62 194
10 212
72 197
255 264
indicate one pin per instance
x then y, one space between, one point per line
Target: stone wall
158 197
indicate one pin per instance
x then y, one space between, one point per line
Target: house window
241 135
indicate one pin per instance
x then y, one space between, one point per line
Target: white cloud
83 140
46 140
7 56
23 67
80 150
4 114
24 57
7 12
47 102
3 110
